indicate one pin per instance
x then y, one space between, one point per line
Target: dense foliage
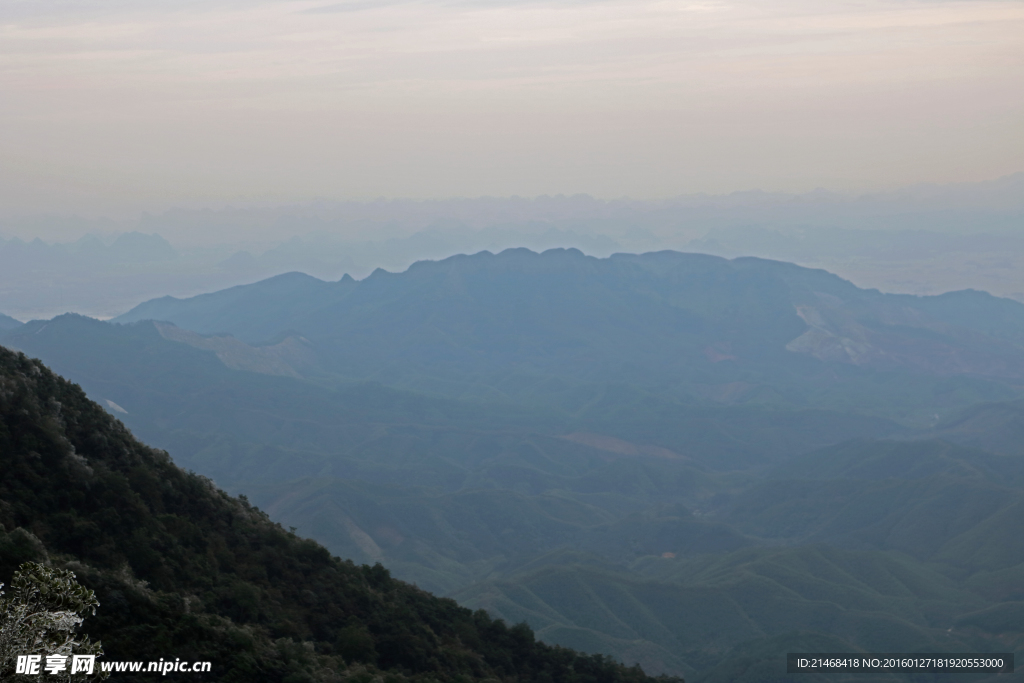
183 570
41 617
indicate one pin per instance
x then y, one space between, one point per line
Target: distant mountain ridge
8 323
726 330
923 239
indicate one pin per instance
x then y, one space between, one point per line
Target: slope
181 569
930 499
383 475
164 385
887 546
8 323
995 427
683 615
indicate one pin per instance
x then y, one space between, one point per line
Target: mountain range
686 327
676 460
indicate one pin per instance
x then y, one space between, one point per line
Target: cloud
162 102
355 6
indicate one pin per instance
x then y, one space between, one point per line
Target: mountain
923 240
182 569
959 522
100 275
677 460
588 525
869 545
8 323
996 427
448 541
137 247
243 311
671 614
534 327
443 491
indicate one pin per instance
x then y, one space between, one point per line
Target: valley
675 460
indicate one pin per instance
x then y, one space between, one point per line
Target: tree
41 617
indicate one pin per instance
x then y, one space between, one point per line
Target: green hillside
182 569
683 614
932 500
887 546
995 427
878 460
446 541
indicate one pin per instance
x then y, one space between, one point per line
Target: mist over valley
674 459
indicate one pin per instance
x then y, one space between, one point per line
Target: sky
118 106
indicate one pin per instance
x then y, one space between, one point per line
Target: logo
31 665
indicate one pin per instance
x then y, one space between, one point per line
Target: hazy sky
118 105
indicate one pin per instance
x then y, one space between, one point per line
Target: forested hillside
181 569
